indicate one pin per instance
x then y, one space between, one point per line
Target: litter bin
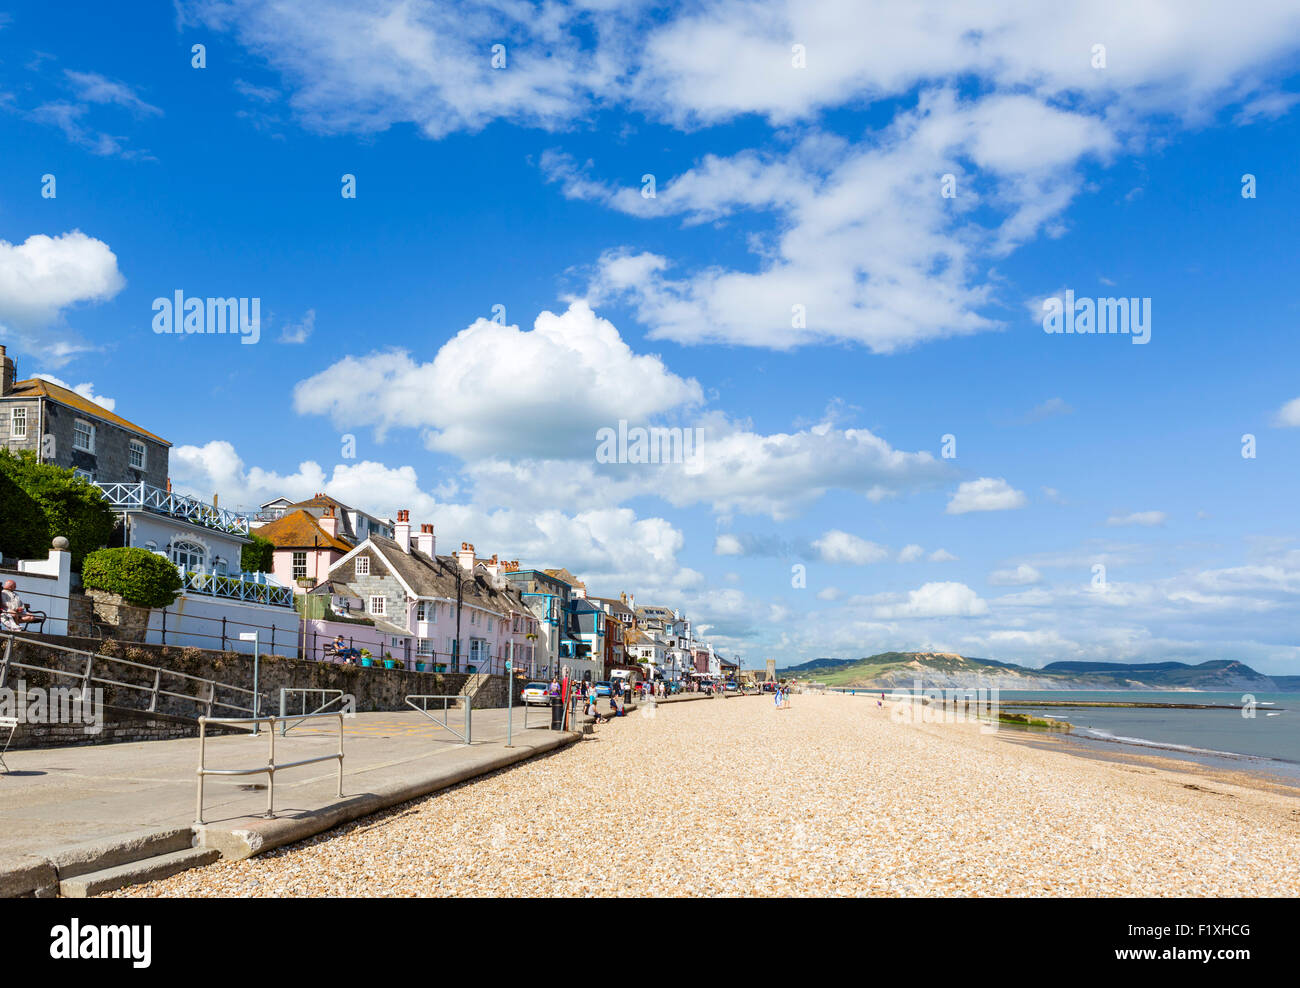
557 714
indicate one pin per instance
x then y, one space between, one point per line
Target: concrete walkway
57 798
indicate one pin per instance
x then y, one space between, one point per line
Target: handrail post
270 774
198 811
340 753
469 703
157 683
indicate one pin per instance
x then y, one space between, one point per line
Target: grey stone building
63 428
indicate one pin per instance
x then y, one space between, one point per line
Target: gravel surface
829 797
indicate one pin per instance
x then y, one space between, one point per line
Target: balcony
146 497
246 588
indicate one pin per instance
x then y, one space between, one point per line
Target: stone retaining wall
126 715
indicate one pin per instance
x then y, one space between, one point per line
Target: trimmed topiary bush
138 576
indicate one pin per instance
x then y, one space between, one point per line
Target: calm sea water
1268 742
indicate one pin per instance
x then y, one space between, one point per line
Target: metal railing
146 497
237 588
424 709
270 768
89 679
339 696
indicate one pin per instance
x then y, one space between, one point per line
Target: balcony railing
146 497
235 588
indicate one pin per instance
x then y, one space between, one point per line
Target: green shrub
258 556
138 575
72 507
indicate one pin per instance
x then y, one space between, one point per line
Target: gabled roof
566 576
435 576
301 530
616 608
38 387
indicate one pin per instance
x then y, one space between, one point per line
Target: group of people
782 695
339 648
14 614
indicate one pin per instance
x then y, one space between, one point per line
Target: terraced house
457 613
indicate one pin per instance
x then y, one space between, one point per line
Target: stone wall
126 715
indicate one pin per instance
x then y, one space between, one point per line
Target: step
109 852
137 872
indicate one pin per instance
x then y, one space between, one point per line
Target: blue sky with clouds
777 185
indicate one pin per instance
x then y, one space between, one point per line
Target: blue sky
776 186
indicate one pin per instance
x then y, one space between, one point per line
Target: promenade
55 800
829 797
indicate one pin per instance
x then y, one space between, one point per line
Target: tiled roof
40 388
300 530
436 577
566 576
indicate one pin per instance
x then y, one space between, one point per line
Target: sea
1260 734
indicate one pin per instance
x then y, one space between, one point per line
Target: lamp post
510 700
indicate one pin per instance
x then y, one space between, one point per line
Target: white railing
237 588
146 497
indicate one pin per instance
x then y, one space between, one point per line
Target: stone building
68 430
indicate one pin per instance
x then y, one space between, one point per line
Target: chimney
424 541
466 556
330 523
402 531
8 374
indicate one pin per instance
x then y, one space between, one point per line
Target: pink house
305 547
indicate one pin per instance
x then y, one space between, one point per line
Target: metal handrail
236 588
304 690
270 768
88 679
444 697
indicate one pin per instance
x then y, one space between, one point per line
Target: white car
536 693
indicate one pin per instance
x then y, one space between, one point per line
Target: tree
139 576
71 507
24 532
258 555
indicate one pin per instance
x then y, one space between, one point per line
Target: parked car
731 687
603 688
536 693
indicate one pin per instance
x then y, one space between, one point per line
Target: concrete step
136 872
108 852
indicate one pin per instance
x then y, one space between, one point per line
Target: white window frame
377 605
18 423
294 564
362 565
131 448
77 434
424 646
421 611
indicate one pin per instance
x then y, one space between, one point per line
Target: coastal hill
947 669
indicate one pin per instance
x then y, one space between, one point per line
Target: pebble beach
833 796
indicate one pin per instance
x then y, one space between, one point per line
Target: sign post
510 700
251 636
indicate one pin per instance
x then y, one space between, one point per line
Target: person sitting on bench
14 615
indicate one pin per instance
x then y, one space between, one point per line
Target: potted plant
419 666
366 658
389 661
